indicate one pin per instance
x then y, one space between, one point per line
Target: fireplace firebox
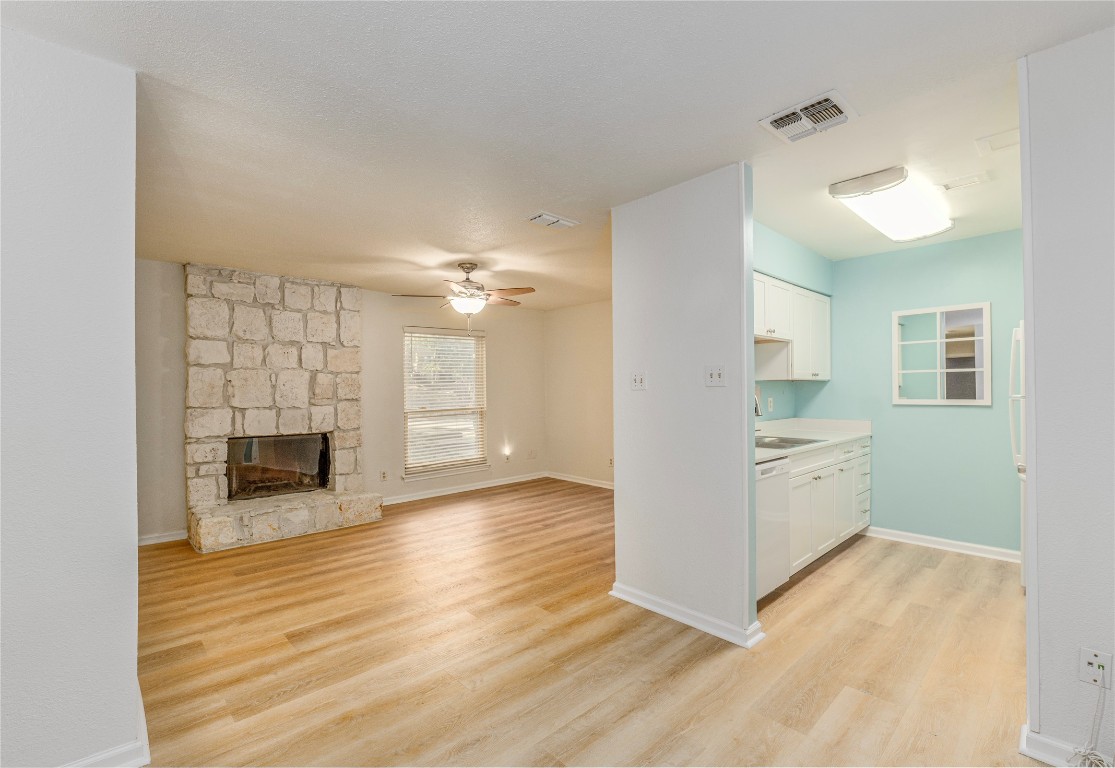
269 466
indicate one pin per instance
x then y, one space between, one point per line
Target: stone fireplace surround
270 355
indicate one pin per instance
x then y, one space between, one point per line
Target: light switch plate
638 381
714 376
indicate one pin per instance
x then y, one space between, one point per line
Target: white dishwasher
772 526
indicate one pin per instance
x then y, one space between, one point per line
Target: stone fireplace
273 437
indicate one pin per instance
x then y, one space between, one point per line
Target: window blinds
444 398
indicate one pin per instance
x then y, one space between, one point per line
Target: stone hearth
269 355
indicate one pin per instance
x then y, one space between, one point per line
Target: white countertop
828 431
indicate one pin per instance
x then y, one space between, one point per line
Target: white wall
1070 282
679 296
579 391
161 399
69 598
516 391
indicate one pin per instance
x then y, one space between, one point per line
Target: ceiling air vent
550 220
809 117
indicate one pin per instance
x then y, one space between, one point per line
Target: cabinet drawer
804 462
862 474
863 510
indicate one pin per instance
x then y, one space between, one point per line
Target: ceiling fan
470 297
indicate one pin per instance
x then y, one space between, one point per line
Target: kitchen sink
782 443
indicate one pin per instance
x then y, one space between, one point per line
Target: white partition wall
1067 97
681 474
69 598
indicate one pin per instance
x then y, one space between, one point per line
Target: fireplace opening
269 466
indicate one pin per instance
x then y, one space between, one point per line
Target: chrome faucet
758 410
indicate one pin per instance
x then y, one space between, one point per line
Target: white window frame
896 355
478 407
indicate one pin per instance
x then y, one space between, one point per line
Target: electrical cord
1088 756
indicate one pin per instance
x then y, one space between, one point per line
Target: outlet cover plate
1090 663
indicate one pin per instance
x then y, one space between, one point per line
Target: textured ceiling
381 143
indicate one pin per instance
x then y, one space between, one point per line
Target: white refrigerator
1017 405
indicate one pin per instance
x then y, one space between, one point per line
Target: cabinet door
823 503
845 500
863 474
778 309
801 521
863 510
761 326
802 343
820 343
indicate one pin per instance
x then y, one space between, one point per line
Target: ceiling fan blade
504 302
510 291
417 296
458 288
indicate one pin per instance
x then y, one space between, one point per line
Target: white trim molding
582 480
133 754
963 547
746 637
1047 750
418 495
159 538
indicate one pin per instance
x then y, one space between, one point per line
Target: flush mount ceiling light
901 206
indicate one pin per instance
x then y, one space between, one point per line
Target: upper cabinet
799 317
811 343
773 307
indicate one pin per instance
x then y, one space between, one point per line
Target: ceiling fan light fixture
468 305
901 206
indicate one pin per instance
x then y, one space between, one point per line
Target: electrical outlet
383 476
1095 667
638 381
611 462
770 405
507 458
714 376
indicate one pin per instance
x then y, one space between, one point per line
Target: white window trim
896 355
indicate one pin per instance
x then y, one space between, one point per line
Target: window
942 356
444 398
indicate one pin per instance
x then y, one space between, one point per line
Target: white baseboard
582 480
134 754
1048 750
746 637
963 547
432 493
159 538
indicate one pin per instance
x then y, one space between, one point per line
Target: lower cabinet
827 506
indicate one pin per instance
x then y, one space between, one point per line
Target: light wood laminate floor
477 629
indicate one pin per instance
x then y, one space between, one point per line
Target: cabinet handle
840 469
853 450
817 374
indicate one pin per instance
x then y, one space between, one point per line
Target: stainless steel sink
782 443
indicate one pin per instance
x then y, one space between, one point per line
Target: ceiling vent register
809 117
553 222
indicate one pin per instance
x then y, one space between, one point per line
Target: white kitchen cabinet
845 500
773 307
801 522
811 343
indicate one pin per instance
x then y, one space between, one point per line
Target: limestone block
197 285
292 389
325 298
294 421
350 328
201 491
297 296
346 360
321 326
323 388
282 356
206 318
322 418
294 522
361 509
191 470
222 489
265 528
206 453
200 352
348 414
208 422
249 388
238 423
260 421
211 469
287 326
350 298
234 291
214 533
205 387
247 354
327 515
349 438
267 289
248 323
344 462
350 484
348 386
313 357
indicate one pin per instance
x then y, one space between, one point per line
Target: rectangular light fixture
901 206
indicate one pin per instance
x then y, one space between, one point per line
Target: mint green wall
783 393
941 471
779 256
